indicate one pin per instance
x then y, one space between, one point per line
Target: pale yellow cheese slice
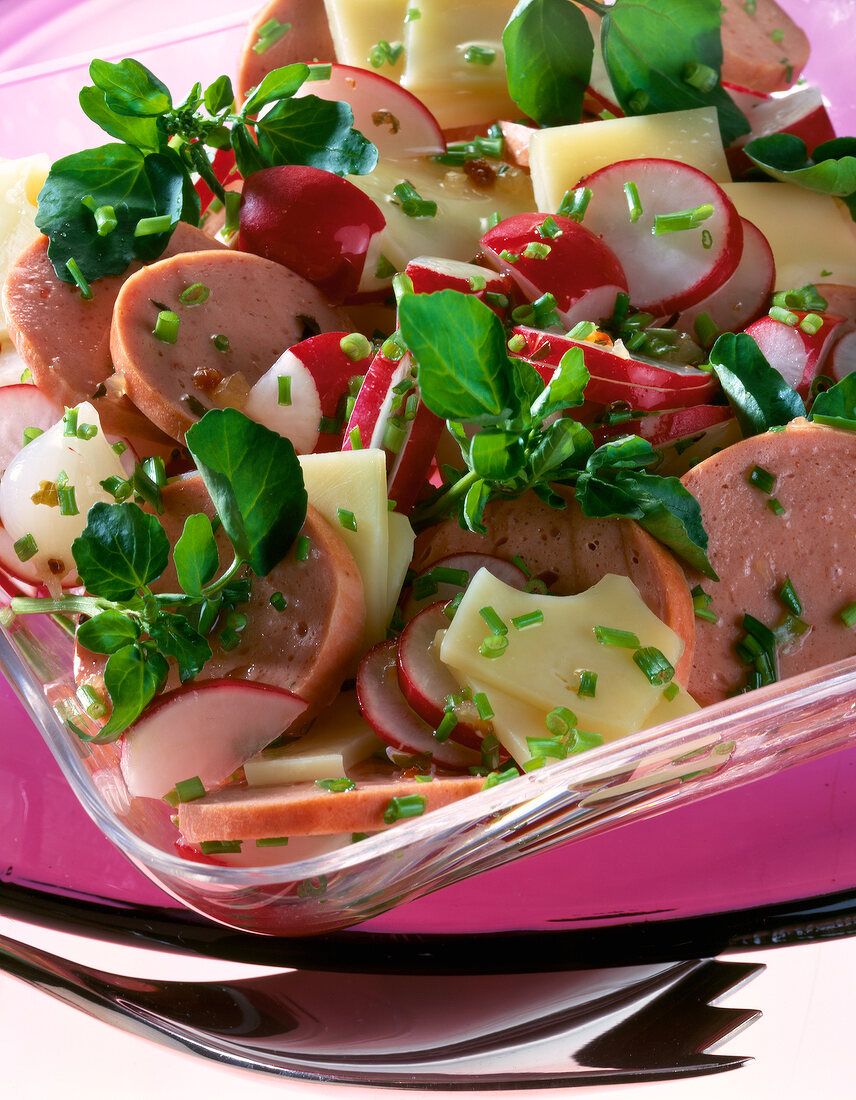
401 540
20 183
357 26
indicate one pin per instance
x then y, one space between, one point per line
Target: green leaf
759 395
121 550
315 132
648 43
496 455
279 84
566 388
107 632
175 637
548 56
135 185
247 155
133 676
671 514
830 170
255 481
562 450
219 95
195 554
463 368
140 132
628 452
837 405
130 88
475 500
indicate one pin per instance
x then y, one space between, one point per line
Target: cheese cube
358 25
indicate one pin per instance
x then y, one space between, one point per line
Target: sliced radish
318 373
367 423
21 407
311 221
579 270
430 273
800 112
394 119
423 678
468 563
842 358
746 294
205 731
669 427
669 271
797 355
387 712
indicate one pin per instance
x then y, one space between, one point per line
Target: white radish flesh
798 355
297 417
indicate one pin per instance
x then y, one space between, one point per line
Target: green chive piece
220 342
67 501
588 684
346 519
788 596
444 731
318 71
452 606
354 438
493 646
166 326
283 389
30 434
531 618
536 250
656 667
229 639
336 785
219 847
847 614
148 227
639 102
69 422
624 639
394 434
105 220
495 778
411 14
411 202
271 841
278 601
194 295
384 269
699 76
670 691
786 316
188 789
479 55
76 274
762 479
682 220
547 746
355 346
634 204
302 550
811 323
560 721
702 602
408 805
233 206
270 32
548 228
706 330
574 203
493 620
517 343
483 706
509 257
90 701
329 425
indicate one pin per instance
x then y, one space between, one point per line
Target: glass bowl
525 855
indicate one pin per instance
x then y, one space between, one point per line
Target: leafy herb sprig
503 417
830 170
102 208
256 485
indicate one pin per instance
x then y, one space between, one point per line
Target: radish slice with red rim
798 355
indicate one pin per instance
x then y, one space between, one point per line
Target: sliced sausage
840 299
754 550
308 648
570 552
239 812
763 48
258 306
307 39
64 338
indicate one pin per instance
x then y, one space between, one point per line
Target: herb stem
196 153
445 499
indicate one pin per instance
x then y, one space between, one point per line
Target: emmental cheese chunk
542 663
559 157
357 26
20 183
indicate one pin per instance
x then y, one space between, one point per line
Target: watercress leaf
141 132
646 46
168 183
463 367
107 632
279 84
218 95
247 155
195 554
175 637
628 451
136 185
121 550
565 389
562 449
496 455
474 504
837 405
315 132
255 481
830 170
548 55
600 496
759 395
544 492
130 88
528 385
133 676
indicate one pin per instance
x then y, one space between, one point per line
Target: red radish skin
801 112
206 730
666 272
367 422
579 270
388 713
391 117
430 273
797 355
313 222
423 678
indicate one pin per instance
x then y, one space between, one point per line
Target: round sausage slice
237 313
755 549
763 48
308 648
307 39
570 552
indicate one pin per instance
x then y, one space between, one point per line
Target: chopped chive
87 431
483 706
76 274
516 343
302 551
319 71
786 316
443 574
574 203
610 636
408 805
452 606
762 479
493 646
670 691
560 721
233 206
706 329
394 434
411 14
490 752
189 789
148 227
219 847
588 684
329 425
283 389
444 731
699 76
656 667
278 601
634 204
536 250
411 202
536 584
788 596
509 257
67 501
384 52
30 434
220 342
69 422
493 620
336 785
271 841
355 346
548 228
479 55
270 32
547 746
682 220
531 618
105 220
229 639
118 488
355 440
357 837
166 326
495 778
25 547
790 628
346 519
811 324
847 614
384 269
194 295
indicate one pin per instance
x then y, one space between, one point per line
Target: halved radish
206 731
430 273
317 373
842 358
387 712
797 355
367 423
21 407
436 588
666 271
314 222
561 257
683 427
398 123
800 112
